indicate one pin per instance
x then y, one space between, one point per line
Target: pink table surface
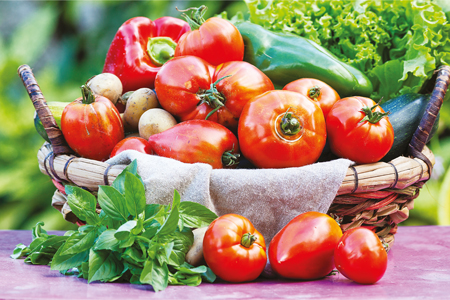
419 268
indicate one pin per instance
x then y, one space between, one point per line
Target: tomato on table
360 256
315 90
359 129
190 88
281 129
233 249
92 125
304 248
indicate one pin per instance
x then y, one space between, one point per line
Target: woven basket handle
420 137
45 115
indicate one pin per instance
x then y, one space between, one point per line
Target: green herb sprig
128 241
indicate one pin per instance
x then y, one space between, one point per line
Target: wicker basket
378 195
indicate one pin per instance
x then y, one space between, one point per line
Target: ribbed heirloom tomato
304 248
360 256
92 125
281 129
359 129
190 88
233 249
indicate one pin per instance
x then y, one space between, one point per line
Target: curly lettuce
398 44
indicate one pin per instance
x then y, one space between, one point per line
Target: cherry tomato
92 125
131 143
190 88
304 248
360 256
197 141
315 90
233 249
281 129
359 129
215 40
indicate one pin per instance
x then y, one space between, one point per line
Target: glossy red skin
181 80
131 143
92 130
360 256
217 41
258 138
328 96
304 248
195 141
127 56
364 142
226 256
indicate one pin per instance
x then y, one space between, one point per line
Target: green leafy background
65 43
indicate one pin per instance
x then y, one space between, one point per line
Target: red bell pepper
140 47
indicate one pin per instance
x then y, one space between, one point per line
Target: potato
139 102
195 253
154 121
107 85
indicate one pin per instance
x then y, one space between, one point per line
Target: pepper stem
371 116
160 49
213 97
248 239
230 159
87 94
289 124
196 19
314 92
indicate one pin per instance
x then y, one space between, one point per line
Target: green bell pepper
286 57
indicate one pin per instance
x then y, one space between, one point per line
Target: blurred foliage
65 43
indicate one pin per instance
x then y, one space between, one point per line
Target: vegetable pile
299 82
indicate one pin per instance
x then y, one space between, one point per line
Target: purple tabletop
419 267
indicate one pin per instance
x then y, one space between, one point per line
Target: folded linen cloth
269 198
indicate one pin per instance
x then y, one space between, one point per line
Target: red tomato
304 248
92 125
360 256
359 129
233 249
315 90
131 143
197 141
190 88
216 40
281 129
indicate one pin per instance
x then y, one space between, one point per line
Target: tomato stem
371 116
196 19
314 92
248 239
213 97
87 94
289 124
230 159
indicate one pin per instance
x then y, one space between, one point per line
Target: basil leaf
135 255
38 231
171 223
19 251
152 209
209 276
80 201
107 241
124 231
155 274
182 241
113 203
80 242
48 244
104 265
66 262
119 182
134 194
195 215
128 242
39 258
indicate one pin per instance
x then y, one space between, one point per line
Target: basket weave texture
378 196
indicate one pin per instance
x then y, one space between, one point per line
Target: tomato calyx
371 116
196 19
230 159
161 49
212 97
248 239
314 92
290 123
87 94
